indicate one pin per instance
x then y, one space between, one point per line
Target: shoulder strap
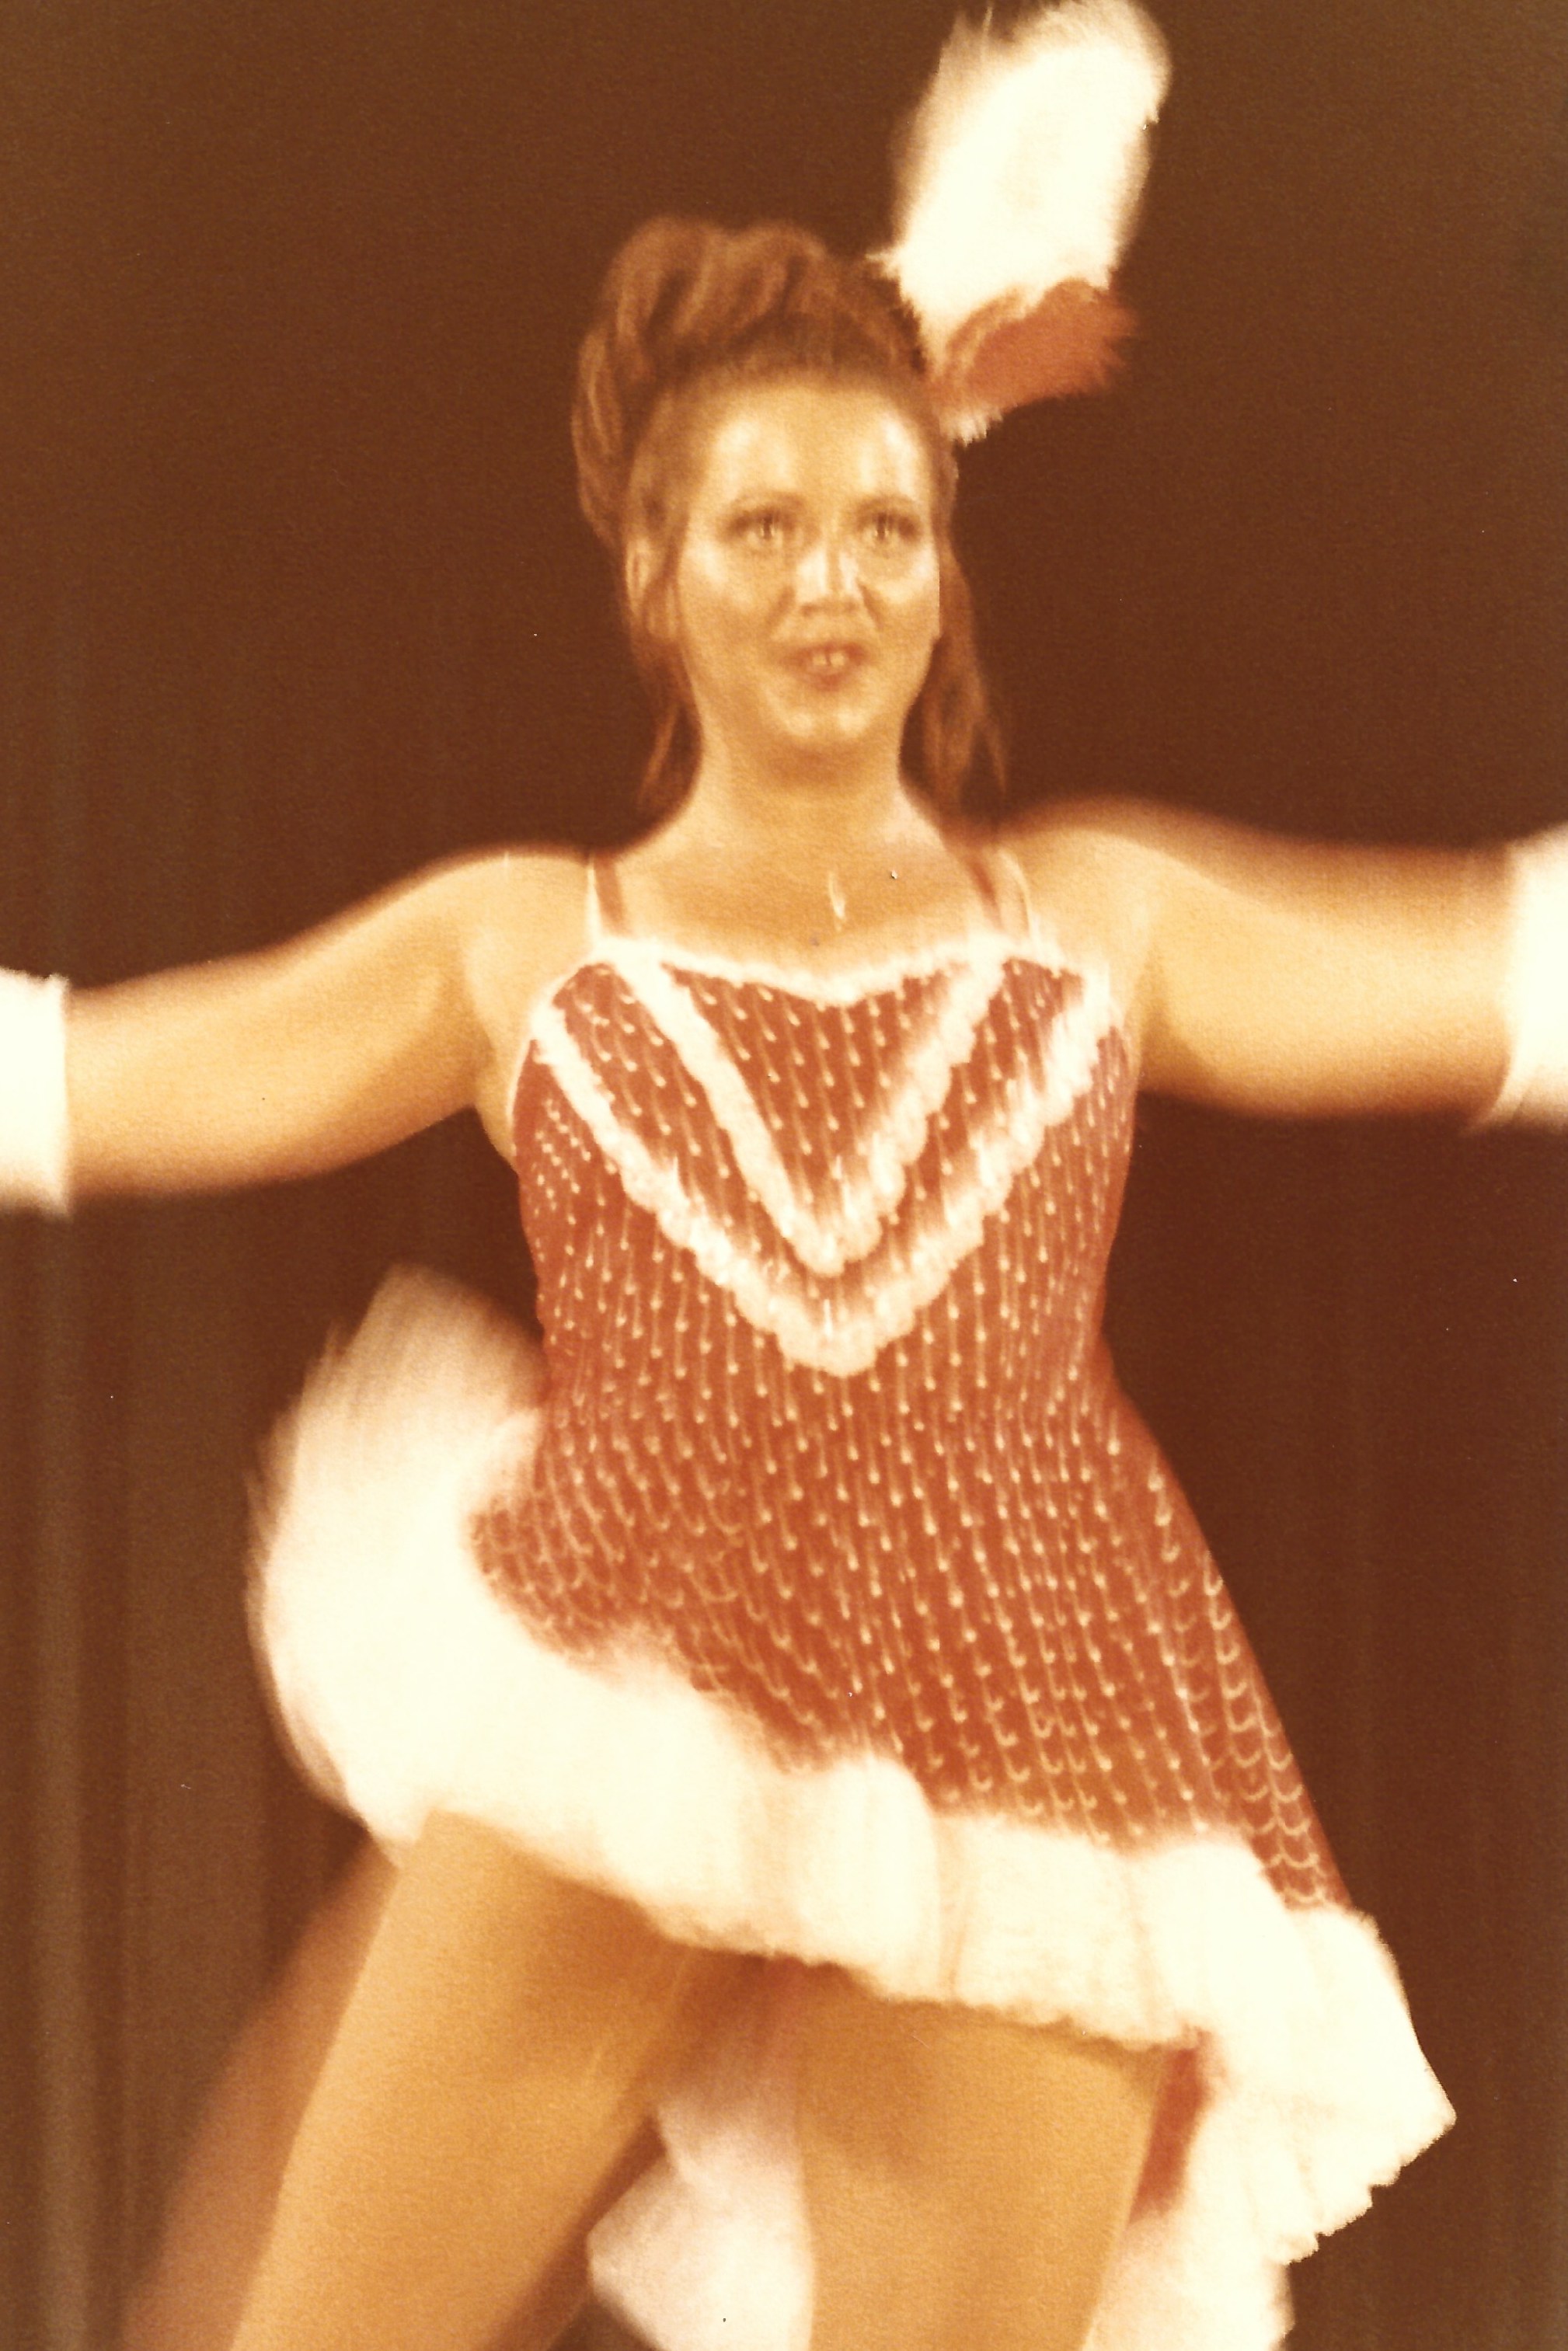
980 874
605 908
1016 916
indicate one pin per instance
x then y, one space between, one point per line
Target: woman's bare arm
325 1050
1288 977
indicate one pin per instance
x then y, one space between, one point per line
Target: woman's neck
806 821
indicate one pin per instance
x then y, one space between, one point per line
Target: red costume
839 1608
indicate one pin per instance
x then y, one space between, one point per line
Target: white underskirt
408 1685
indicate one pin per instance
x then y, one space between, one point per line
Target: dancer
819 1729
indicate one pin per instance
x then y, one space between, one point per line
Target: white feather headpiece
1018 186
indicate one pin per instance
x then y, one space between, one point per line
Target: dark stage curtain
293 598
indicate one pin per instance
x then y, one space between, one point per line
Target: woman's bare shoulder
522 910
1088 866
1115 835
1104 872
1140 845
533 901
1112 859
526 879
521 917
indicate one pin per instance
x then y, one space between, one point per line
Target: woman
825 1731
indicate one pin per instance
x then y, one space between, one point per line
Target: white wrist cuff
1535 986
34 1136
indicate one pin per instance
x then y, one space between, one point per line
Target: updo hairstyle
688 309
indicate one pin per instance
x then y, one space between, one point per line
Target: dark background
293 596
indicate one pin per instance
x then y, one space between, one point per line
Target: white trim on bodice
826 1242
840 1329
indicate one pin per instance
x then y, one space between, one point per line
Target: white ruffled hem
409 1687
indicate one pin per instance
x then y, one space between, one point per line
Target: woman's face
806 591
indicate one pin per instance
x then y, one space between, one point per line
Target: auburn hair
688 309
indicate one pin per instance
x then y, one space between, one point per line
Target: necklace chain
838 903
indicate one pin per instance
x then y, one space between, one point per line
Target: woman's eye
891 528
765 527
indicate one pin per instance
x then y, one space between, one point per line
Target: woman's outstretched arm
322 1050
1291 978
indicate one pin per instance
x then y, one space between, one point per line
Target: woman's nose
827 570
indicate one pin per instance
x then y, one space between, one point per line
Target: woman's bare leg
968 2178
218 2217
492 2075
224 2202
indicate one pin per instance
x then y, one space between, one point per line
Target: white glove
35 1144
1535 989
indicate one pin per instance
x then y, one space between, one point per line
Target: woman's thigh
968 2178
488 2085
222 2211
219 2214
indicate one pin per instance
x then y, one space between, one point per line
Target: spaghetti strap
983 868
1024 896
980 874
604 911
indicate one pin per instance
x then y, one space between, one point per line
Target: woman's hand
1285 977
325 1050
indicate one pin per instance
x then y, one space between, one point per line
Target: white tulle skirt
408 1685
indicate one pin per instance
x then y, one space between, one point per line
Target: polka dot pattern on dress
831 1424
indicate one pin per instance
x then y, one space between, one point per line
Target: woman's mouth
827 661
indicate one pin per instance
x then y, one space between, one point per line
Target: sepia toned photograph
783 1186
